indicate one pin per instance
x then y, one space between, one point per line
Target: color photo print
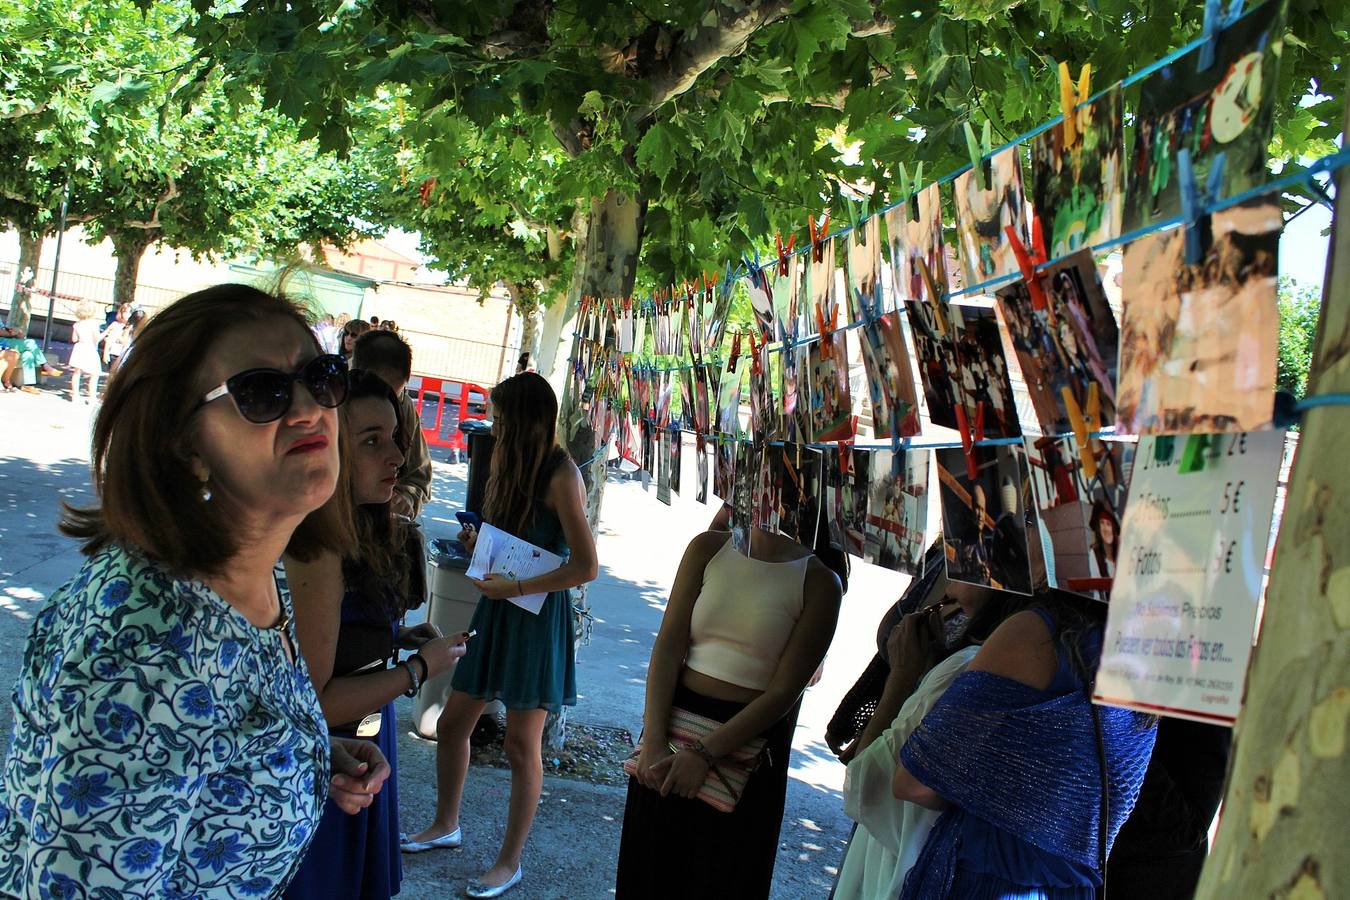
1198 342
846 473
1068 346
983 369
724 467
744 495
729 397
914 229
792 492
983 215
1079 517
862 272
663 465
935 347
701 467
1228 108
1079 191
890 380
897 510
831 400
984 520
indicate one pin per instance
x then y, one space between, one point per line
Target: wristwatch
702 751
413 676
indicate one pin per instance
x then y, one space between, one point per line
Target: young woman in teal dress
525 660
167 740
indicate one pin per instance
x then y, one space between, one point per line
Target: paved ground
44 460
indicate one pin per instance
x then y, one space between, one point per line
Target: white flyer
1189 574
499 553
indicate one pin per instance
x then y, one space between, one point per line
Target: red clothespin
845 458
735 351
784 253
817 235
969 436
1028 260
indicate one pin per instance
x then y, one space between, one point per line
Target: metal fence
460 359
73 288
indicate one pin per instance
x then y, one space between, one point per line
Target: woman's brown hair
524 422
149 499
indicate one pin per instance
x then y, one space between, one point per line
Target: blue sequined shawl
1025 761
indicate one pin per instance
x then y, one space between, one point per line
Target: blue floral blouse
163 746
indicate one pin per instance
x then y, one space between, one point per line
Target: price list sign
1189 573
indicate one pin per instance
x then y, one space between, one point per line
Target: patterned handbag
727 777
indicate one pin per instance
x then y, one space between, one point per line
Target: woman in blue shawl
1014 754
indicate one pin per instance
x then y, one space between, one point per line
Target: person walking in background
350 332
167 740
526 660
348 615
116 337
1022 764
388 357
86 336
739 640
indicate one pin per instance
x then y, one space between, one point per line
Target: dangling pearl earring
205 491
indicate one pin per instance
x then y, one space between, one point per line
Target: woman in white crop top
740 639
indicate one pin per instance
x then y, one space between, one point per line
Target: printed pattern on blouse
163 746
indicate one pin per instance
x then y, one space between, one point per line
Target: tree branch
703 47
20 113
170 193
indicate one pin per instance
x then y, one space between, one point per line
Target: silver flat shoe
445 841
476 888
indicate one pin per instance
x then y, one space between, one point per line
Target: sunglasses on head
264 395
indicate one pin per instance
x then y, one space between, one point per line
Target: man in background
389 358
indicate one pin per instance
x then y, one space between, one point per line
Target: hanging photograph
797 488
862 272
984 520
675 452
897 510
1079 190
935 347
820 283
831 401
760 286
1066 347
717 303
788 390
846 473
763 407
729 397
1198 343
663 466
983 370
724 469
983 214
1227 108
1079 516
701 467
744 495
914 229
703 376
890 380
787 299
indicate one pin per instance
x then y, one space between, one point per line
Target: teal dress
526 661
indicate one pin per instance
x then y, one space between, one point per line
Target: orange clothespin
1070 97
1028 260
735 351
826 330
756 367
817 235
1084 423
845 458
969 436
784 253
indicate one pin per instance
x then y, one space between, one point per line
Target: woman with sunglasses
349 613
167 739
524 659
350 332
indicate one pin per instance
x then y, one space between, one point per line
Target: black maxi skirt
681 848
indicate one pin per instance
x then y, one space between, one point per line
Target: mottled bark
129 246
21 304
1282 831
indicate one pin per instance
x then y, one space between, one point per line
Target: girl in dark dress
349 616
521 658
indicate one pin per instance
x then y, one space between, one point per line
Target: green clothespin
978 151
1164 449
1193 456
857 215
910 189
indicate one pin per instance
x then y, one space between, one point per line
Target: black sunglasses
264 395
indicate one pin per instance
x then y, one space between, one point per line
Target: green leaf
656 152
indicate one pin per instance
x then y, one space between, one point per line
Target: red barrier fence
455 402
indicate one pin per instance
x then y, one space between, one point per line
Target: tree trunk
21 304
559 319
606 266
129 246
1282 833
529 335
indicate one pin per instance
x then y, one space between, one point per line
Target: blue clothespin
1215 25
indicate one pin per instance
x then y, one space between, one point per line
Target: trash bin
453 599
478 435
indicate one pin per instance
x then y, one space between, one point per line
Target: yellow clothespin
934 296
1084 424
1070 97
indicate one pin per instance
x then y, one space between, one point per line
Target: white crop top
744 616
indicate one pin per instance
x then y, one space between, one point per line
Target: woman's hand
498 587
684 774
653 753
359 771
914 641
441 653
468 536
411 638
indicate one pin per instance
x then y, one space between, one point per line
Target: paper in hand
499 553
